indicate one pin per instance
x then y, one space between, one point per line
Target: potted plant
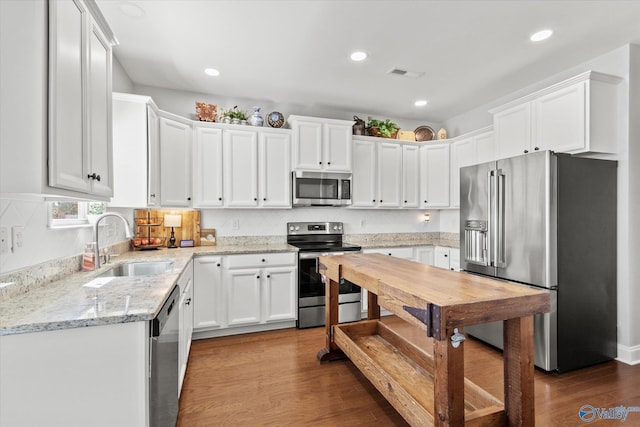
234 116
383 129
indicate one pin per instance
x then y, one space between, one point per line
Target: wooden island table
428 387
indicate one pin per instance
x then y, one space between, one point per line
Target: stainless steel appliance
549 221
314 239
163 372
321 188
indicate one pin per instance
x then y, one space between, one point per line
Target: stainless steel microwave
321 188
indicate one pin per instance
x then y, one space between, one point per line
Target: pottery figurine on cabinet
256 118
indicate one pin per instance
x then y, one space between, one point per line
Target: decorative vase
256 118
235 121
226 119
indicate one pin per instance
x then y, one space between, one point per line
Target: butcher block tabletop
442 296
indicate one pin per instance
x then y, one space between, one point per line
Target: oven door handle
312 255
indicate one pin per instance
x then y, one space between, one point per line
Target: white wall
121 81
183 104
272 222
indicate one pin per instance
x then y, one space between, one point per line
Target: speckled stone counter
68 303
403 240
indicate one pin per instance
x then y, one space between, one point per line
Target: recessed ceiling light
420 103
541 35
132 10
212 72
359 56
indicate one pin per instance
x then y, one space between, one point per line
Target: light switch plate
4 240
17 238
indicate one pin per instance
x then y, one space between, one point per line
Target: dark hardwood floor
274 379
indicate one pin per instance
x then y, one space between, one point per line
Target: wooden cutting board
149 223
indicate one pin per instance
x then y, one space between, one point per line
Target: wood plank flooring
274 379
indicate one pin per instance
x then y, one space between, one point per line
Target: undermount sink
142 268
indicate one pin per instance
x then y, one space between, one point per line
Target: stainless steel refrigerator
549 221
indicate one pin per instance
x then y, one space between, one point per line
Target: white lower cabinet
185 321
208 306
448 258
424 254
75 377
244 293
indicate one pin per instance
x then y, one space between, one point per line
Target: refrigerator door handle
500 255
490 219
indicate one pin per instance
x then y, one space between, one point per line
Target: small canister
358 126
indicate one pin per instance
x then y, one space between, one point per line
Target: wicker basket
375 131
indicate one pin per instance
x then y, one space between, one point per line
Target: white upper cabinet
274 169
434 175
241 168
80 152
466 150
364 183
207 167
175 161
578 115
321 144
513 131
136 149
389 174
410 176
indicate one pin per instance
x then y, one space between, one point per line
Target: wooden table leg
373 309
331 350
448 383
518 371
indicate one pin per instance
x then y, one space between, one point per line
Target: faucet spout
127 231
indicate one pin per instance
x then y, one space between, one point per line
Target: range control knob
291 228
297 227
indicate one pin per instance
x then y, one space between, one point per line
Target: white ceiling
297 52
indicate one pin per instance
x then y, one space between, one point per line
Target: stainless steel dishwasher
163 369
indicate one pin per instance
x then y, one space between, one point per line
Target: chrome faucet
127 232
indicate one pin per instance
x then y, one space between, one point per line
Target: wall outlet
236 224
4 240
17 238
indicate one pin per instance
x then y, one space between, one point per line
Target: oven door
311 289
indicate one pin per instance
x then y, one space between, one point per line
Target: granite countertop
68 303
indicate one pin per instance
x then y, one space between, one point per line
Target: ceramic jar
256 118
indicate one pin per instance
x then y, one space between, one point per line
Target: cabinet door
485 147
207 164
153 158
454 259
241 168
364 174
425 255
99 113
275 170
513 131
560 119
208 297
243 296
336 147
185 329
175 163
307 150
410 176
441 257
68 153
463 153
279 295
389 174
434 176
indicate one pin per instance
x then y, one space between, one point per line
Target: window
67 214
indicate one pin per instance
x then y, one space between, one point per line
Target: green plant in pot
235 115
384 129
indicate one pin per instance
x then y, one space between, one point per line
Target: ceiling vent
405 73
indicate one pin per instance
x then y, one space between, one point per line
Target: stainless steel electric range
314 239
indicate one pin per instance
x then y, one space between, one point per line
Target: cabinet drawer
405 253
261 260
